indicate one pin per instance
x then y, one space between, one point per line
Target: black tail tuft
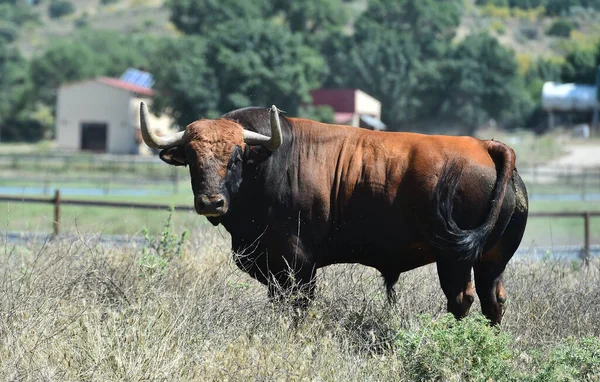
443 232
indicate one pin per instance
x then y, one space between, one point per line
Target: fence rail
57 201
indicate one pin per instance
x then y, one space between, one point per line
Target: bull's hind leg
490 289
488 271
455 280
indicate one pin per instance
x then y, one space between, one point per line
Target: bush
60 8
560 28
82 21
8 33
447 349
498 27
573 360
496 11
108 2
529 32
159 252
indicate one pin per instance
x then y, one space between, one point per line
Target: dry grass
72 311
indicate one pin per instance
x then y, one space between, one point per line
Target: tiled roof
117 83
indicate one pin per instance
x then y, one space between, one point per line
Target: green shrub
561 28
8 32
573 360
498 27
498 3
466 350
108 2
60 8
82 21
529 32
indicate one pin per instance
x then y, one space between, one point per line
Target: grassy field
18 216
74 311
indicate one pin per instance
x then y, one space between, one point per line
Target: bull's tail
444 233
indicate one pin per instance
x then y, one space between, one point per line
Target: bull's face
214 156
213 150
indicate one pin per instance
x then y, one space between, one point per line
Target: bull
297 195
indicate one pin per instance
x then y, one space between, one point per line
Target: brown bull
302 194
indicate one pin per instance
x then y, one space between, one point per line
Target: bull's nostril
220 203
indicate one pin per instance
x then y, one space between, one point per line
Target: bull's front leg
292 274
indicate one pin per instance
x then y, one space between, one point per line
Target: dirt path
579 155
577 158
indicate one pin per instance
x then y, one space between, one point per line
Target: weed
158 252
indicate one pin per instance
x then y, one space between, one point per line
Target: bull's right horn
153 140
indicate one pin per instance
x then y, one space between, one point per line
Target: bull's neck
294 177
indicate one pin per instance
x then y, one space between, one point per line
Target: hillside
525 31
122 16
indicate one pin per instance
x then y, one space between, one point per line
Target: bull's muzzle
210 205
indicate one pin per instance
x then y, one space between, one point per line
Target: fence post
586 228
56 212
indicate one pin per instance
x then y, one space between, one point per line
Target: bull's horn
272 143
153 140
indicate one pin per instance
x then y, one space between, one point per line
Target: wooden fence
57 201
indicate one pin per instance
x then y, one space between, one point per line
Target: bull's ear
174 156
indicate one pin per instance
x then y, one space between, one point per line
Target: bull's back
384 197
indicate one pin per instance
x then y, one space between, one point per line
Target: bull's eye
236 158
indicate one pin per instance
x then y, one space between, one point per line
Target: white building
102 115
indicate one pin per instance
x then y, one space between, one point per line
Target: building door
93 136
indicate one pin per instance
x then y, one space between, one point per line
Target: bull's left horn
153 140
272 143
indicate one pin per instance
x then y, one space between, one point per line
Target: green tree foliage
60 8
553 7
18 121
580 67
536 75
483 82
77 58
12 80
64 61
201 16
430 24
260 63
314 19
15 15
561 28
395 55
187 86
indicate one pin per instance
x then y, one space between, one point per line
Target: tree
60 8
17 121
186 86
260 63
431 24
77 58
395 54
580 67
483 83
17 14
12 79
561 28
201 16
314 19
65 60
